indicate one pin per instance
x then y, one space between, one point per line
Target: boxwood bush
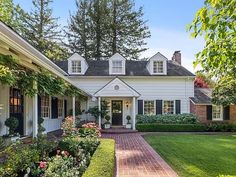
156 127
102 163
167 119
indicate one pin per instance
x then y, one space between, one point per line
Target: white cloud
167 41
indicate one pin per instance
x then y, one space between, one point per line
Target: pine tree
110 26
78 33
128 30
42 31
9 14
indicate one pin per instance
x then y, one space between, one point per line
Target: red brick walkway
136 158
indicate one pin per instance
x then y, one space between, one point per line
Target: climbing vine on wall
12 74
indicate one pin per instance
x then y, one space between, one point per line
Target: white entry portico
122 101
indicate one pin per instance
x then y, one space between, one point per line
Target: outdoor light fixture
127 104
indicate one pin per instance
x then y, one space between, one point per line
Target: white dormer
77 64
117 65
157 64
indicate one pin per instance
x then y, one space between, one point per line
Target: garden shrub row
156 127
167 119
102 163
213 127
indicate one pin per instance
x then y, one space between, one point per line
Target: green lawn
197 155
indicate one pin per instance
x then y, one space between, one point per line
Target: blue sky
167 20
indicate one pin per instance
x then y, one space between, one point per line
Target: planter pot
107 126
14 138
129 126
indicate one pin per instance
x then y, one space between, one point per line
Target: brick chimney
177 57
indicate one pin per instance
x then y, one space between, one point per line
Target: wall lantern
127 104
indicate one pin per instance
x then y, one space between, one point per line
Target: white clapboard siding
150 88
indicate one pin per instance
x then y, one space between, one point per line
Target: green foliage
42 30
100 166
156 127
19 158
104 110
217 23
221 127
12 123
99 29
168 119
62 166
128 118
107 118
224 91
9 14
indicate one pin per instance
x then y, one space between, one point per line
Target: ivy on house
12 74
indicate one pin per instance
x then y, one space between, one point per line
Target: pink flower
43 164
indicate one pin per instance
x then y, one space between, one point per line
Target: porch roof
117 88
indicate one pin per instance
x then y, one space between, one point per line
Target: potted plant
128 124
107 124
12 123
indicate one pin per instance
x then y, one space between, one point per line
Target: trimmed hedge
155 127
167 119
102 163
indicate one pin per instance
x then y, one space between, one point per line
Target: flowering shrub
68 126
89 130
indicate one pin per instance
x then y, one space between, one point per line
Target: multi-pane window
168 107
216 112
60 107
149 107
158 67
117 66
76 66
45 107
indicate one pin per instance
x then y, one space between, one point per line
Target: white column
73 108
134 113
35 113
99 110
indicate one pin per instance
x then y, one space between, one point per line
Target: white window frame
43 106
78 68
163 105
60 108
117 67
221 113
154 107
156 69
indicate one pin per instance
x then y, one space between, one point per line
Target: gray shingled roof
133 68
201 96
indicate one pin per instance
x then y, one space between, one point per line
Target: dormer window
117 66
158 67
76 66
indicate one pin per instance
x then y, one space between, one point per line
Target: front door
17 108
116 112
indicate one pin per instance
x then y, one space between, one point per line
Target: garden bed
69 156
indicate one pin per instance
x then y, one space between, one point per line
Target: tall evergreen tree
42 31
9 14
128 30
110 26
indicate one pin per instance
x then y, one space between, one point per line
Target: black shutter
65 108
140 106
226 113
209 112
177 107
54 106
158 107
39 106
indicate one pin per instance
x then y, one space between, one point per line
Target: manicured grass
197 155
102 163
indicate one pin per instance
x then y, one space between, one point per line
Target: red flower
43 164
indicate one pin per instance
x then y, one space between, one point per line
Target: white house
14 103
131 87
